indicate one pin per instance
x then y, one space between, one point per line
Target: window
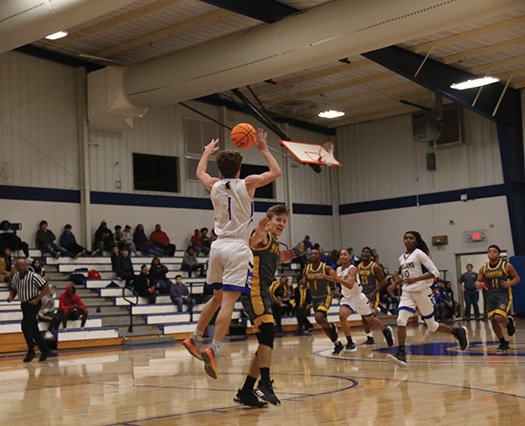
155 173
191 167
198 133
266 191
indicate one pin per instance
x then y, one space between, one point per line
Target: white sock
369 334
198 336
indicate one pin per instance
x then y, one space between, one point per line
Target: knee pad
266 334
432 324
402 318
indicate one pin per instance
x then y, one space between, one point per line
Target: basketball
243 135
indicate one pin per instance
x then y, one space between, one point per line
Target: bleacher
109 311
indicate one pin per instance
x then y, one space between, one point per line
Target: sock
198 336
369 334
502 340
249 383
349 339
401 348
265 375
216 345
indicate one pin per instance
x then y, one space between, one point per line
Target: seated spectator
302 302
44 242
6 265
180 295
161 240
301 254
49 313
198 245
190 263
117 235
307 243
157 275
127 238
68 241
206 240
114 256
38 268
142 285
9 239
104 239
354 260
394 293
455 305
443 305
123 266
72 307
143 244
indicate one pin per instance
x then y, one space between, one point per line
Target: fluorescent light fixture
477 82
57 35
331 114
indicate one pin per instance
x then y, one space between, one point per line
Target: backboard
311 153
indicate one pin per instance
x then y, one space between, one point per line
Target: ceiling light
331 114
57 35
476 82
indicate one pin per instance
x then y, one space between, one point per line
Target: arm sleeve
63 303
427 262
79 301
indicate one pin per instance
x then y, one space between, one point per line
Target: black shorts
322 304
258 306
498 303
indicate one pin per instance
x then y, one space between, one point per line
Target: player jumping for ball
231 261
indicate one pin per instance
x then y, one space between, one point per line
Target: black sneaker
333 332
503 347
369 341
511 327
389 336
43 356
337 348
29 357
461 335
399 358
265 392
350 347
249 399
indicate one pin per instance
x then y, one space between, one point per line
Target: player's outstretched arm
260 235
256 181
206 180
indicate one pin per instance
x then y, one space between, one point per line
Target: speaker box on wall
431 161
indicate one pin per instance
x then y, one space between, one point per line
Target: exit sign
475 236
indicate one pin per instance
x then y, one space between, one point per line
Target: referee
30 288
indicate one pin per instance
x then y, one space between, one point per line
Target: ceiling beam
371 94
164 33
263 10
480 51
491 67
466 35
401 109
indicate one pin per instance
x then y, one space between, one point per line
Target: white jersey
356 289
414 265
233 209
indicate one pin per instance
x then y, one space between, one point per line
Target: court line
496 358
353 383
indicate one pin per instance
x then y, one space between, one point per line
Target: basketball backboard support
311 153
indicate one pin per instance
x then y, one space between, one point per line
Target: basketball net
326 154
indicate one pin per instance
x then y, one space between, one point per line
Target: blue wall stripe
424 199
121 199
317 209
28 193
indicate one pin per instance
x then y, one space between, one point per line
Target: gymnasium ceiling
362 89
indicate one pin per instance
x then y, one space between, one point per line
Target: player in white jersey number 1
230 263
417 276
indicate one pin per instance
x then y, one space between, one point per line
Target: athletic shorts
359 304
498 303
258 306
230 266
322 304
423 301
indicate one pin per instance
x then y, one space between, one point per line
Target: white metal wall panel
38 124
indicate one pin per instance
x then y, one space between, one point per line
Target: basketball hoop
326 154
311 153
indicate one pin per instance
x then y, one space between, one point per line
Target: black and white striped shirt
27 286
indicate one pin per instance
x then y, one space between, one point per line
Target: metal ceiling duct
324 34
24 21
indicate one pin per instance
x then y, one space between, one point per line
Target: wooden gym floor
166 386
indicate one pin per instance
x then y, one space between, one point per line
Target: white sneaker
49 335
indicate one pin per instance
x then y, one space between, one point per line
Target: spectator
44 242
333 259
143 287
104 239
161 240
49 313
302 308
6 265
69 242
118 234
206 240
467 283
127 238
143 244
354 260
443 305
123 266
9 239
72 307
288 296
450 293
394 293
190 263
308 245
278 291
302 254
157 275
198 245
37 268
180 295
114 256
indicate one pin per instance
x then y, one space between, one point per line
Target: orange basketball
243 135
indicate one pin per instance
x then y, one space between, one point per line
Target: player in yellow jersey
499 276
